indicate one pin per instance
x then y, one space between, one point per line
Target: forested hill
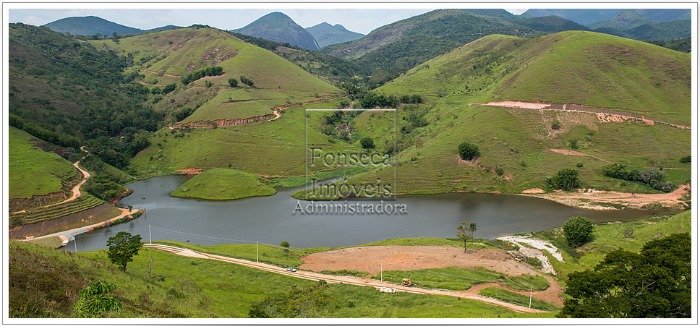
62 88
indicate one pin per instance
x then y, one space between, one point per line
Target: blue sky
359 20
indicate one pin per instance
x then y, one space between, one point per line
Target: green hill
392 49
33 171
223 184
588 68
164 58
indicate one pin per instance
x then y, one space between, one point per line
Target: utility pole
530 305
381 272
257 251
149 235
75 244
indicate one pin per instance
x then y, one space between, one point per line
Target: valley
499 129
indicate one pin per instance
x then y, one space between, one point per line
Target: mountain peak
327 34
278 27
90 25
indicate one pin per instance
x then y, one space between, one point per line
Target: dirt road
308 275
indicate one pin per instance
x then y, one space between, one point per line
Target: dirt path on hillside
68 235
603 115
352 280
569 152
608 200
220 123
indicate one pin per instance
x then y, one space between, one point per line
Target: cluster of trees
566 179
654 283
652 177
201 73
411 99
43 133
371 100
184 113
339 124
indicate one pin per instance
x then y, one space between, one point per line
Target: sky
358 20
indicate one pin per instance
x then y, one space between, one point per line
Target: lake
271 219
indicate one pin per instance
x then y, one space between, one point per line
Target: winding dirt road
307 275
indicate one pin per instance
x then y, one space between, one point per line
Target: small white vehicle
291 269
386 289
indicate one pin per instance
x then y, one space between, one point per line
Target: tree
556 125
654 283
463 233
122 248
232 82
95 300
468 151
285 247
566 179
578 230
367 143
472 229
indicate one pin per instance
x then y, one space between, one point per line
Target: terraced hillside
519 147
164 58
41 214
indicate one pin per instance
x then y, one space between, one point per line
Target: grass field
516 298
610 236
223 184
459 279
34 171
159 284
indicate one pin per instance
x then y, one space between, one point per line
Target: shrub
246 80
652 177
556 125
367 143
232 82
168 88
577 231
211 71
499 171
411 99
685 159
95 300
371 100
468 151
566 179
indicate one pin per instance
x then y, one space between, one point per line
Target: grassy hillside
45 283
515 144
223 184
608 71
33 171
611 236
165 57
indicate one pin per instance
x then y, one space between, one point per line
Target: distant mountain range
91 25
590 17
279 27
327 34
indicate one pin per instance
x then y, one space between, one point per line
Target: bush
96 300
411 99
168 88
371 100
246 80
232 82
578 231
652 177
566 179
685 159
367 143
556 125
468 151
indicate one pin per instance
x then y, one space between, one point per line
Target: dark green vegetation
46 283
566 179
122 248
681 44
468 151
279 27
199 74
632 24
54 86
223 184
653 178
96 301
578 231
392 49
327 34
654 283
